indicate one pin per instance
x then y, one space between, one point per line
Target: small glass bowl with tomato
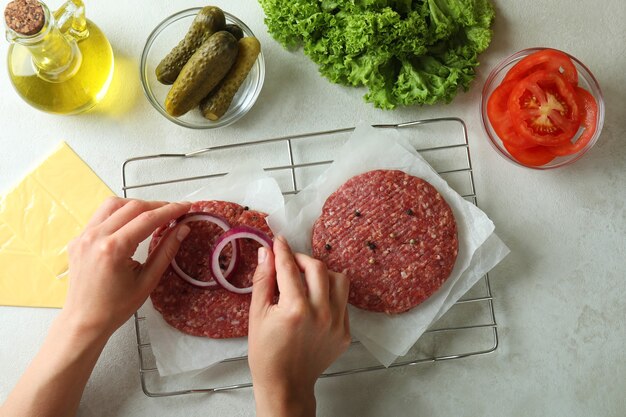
542 108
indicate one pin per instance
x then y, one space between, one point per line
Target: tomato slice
589 123
498 114
534 157
544 109
545 60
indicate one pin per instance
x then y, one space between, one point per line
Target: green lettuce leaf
405 52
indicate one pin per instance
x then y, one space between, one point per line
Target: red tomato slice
498 115
589 123
544 109
544 60
534 157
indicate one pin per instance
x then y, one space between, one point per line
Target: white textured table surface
559 296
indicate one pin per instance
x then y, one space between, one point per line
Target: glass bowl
586 80
161 41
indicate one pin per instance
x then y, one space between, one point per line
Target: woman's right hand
293 341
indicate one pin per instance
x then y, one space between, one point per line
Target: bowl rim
143 68
514 58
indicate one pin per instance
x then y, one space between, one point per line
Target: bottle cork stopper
25 17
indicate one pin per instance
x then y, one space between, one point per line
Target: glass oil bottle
65 67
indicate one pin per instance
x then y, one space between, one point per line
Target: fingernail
262 255
282 239
182 232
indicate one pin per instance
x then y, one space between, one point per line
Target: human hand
292 342
106 285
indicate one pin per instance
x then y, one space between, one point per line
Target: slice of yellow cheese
24 279
38 218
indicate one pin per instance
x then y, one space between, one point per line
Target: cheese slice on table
24 279
38 218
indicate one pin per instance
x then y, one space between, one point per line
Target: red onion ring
224 225
240 232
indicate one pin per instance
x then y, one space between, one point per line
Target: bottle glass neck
56 57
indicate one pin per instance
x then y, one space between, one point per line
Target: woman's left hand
106 285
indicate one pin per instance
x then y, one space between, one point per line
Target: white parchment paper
389 336
176 352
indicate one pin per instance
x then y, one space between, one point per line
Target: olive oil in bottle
59 62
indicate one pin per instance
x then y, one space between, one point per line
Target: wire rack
468 329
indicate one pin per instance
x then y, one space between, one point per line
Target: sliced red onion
224 225
198 216
239 232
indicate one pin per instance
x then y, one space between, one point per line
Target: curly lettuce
405 52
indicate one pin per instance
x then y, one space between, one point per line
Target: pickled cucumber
234 30
208 21
216 104
204 70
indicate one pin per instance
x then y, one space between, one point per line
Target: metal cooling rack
468 329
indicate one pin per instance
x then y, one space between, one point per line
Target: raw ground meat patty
214 312
392 234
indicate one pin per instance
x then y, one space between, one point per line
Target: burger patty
392 234
210 312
